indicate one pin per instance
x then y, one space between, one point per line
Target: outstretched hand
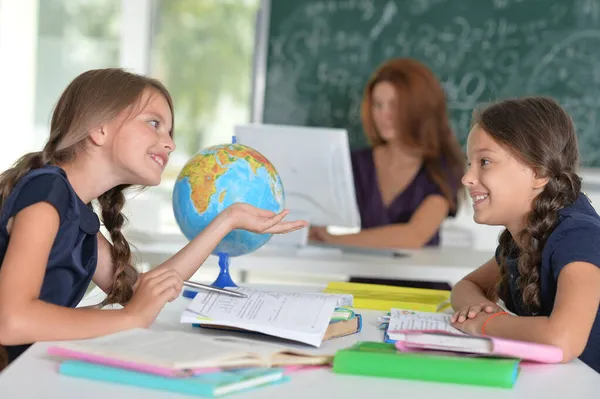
256 220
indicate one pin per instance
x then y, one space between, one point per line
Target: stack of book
243 343
424 346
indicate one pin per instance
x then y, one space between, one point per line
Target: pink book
130 365
151 369
412 341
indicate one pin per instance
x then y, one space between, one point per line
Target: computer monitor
315 169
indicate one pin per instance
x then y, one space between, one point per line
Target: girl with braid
110 129
522 174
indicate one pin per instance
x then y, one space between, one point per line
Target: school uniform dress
374 213
576 238
73 258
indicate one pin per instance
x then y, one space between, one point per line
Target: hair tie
488 319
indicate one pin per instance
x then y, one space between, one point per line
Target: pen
215 289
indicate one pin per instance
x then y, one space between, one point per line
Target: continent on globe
218 177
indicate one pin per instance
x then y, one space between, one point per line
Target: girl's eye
154 123
484 162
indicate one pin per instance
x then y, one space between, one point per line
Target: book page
298 316
167 348
402 319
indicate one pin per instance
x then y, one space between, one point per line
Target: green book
379 359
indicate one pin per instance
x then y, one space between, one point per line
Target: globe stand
224 278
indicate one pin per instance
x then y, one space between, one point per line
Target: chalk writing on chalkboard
320 54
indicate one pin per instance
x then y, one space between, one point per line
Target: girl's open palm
256 220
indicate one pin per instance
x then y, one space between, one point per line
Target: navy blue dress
74 254
576 238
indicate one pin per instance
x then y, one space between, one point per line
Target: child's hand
472 325
154 289
256 220
471 311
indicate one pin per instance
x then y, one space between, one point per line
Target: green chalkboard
320 53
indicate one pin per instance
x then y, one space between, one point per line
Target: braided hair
541 135
92 99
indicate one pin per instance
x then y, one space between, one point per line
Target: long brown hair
92 99
423 121
541 135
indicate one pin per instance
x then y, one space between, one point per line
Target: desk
34 376
430 264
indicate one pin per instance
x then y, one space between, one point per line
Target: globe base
224 278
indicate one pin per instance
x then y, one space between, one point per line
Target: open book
176 353
424 331
301 317
402 320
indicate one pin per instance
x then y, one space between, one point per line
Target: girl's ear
539 179
98 136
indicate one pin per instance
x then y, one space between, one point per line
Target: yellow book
385 297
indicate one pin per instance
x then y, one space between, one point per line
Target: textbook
416 341
385 297
379 359
177 353
343 322
336 328
210 384
300 317
401 320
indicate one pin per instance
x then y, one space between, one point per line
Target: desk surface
34 375
430 264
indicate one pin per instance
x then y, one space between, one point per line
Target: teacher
407 182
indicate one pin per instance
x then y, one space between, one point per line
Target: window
43 45
73 36
202 50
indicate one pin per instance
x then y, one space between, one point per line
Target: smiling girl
523 159
110 129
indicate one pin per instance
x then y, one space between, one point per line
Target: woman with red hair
407 182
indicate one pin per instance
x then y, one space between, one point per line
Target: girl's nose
469 178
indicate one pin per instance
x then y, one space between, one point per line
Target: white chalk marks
321 53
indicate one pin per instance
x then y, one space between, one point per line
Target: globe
218 177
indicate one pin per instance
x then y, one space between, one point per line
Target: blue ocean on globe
218 177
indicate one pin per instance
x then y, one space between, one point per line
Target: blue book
210 384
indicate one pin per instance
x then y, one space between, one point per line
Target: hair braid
112 203
560 191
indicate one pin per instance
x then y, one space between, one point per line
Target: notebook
300 317
210 385
336 328
401 320
343 322
384 297
379 359
410 341
176 353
